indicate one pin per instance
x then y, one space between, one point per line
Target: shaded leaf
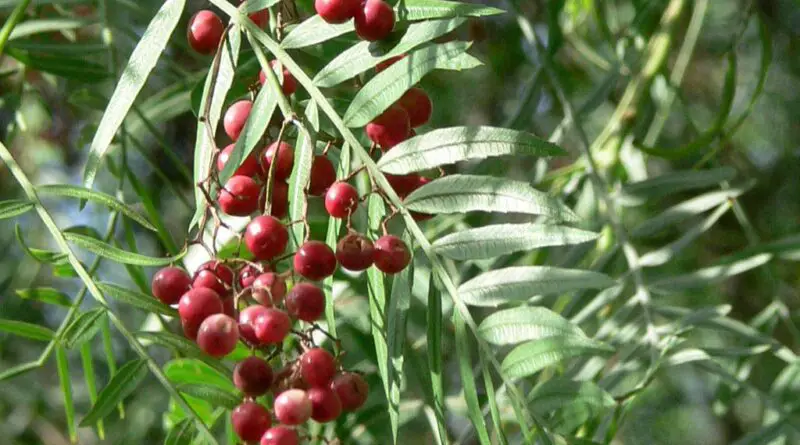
74 68
638 193
109 201
45 295
27 330
118 255
558 393
521 324
38 26
530 358
456 144
136 299
124 382
181 434
188 370
468 379
710 275
83 328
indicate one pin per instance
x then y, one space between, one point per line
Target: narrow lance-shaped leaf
212 394
74 68
468 380
136 299
187 370
470 193
314 30
501 239
14 207
521 324
560 392
142 61
118 255
389 85
457 144
299 180
530 358
70 191
83 328
181 434
520 284
638 193
397 312
124 382
27 330
710 275
363 56
39 26
45 295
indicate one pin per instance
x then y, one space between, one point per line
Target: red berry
285 160
229 306
317 366
341 200
266 237
248 274
292 407
269 289
337 11
248 167
205 32
325 404
288 84
390 128
239 197
250 421
305 302
354 252
280 200
195 306
272 326
215 276
253 376
315 260
352 390
247 319
418 106
403 185
260 18
387 63
391 254
218 335
374 20
280 435
169 284
323 175
236 117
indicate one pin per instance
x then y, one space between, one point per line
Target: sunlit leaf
70 191
521 324
136 299
45 295
14 207
530 358
116 254
83 328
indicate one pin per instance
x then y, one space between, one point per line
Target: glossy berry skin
292 407
341 200
239 197
215 276
235 118
205 32
249 166
403 185
247 275
195 306
418 105
280 435
337 11
390 128
387 63
285 161
288 84
391 254
374 20
315 260
317 366
325 404
266 237
253 376
250 421
323 175
354 252
169 284
305 302
247 320
272 326
352 390
218 335
260 18
269 289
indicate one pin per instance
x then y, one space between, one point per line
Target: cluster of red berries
373 19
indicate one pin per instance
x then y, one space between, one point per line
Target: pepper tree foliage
554 294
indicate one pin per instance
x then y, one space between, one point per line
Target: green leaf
215 89
299 180
45 295
104 250
136 299
178 344
258 5
27 330
14 207
529 358
181 434
389 85
502 239
74 68
211 394
39 255
365 55
457 144
710 275
62 366
396 324
561 392
468 380
522 283
638 193
470 193
434 338
83 328
187 370
38 26
516 325
314 30
142 61
71 191
439 9
124 382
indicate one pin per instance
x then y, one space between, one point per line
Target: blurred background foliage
53 104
